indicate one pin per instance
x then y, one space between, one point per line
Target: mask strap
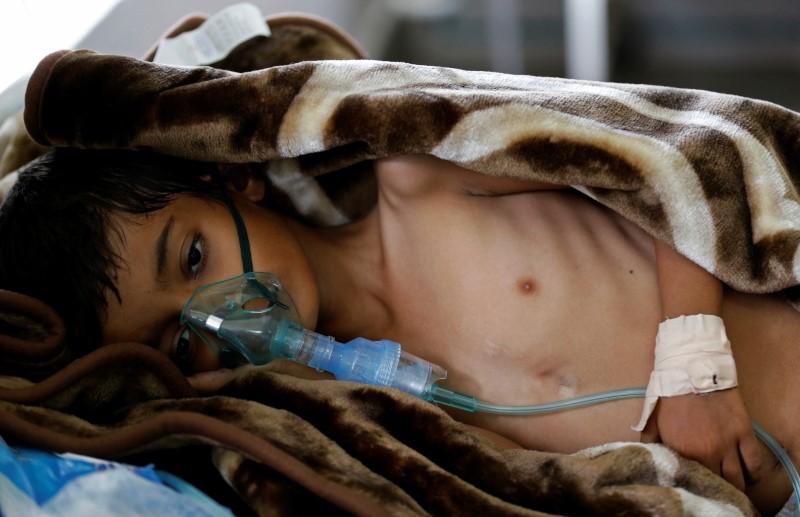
247 259
241 231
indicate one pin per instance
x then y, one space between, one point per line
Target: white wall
133 26
31 29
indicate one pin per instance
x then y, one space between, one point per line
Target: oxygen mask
245 314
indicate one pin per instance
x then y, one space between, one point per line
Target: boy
524 292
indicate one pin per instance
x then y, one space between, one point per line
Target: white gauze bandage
693 355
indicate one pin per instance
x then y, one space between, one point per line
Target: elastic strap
241 231
247 258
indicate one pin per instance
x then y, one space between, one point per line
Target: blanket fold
713 174
362 449
31 337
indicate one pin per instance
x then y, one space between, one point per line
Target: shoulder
413 175
421 175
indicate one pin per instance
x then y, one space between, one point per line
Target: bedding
16 149
713 174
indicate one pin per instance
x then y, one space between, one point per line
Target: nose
189 351
165 308
182 296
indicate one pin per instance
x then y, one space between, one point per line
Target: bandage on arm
692 355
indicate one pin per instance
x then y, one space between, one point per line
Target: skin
440 290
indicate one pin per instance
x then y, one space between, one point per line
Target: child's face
192 242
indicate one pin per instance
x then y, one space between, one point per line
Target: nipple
526 285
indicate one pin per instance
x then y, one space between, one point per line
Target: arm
685 287
713 428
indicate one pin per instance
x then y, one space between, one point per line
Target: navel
526 285
567 386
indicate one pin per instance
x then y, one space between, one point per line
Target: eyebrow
162 245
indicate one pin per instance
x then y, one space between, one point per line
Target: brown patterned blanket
713 174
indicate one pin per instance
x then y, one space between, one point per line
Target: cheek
206 359
276 250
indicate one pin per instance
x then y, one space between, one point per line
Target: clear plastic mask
252 303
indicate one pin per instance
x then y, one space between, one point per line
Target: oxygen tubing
780 453
562 405
441 395
447 397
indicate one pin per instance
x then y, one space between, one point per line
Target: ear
244 179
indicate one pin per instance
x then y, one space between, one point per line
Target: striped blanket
713 174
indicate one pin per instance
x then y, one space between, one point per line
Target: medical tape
214 39
693 355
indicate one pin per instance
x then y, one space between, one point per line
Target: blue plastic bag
39 483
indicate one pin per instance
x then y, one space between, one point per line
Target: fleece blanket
715 175
712 174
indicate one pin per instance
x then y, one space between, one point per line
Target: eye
183 349
196 256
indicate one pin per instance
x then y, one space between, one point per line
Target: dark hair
57 235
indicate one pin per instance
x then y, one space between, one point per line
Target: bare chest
524 299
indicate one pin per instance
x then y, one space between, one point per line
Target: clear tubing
562 405
780 453
442 395
458 400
